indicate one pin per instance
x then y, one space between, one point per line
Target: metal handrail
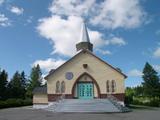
58 101
115 101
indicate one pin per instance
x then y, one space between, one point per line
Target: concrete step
82 105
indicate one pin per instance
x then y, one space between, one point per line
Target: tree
23 80
23 84
35 79
151 82
3 84
16 86
139 91
129 93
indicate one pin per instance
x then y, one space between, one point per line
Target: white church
85 83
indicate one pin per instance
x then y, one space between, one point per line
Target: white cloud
107 13
65 33
62 28
16 10
157 53
72 7
1 2
116 41
49 64
30 19
135 73
119 13
103 52
4 21
158 32
157 67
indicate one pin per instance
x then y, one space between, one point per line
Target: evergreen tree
23 80
17 85
3 84
23 84
151 82
35 80
139 91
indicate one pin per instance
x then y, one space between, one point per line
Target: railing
117 103
59 100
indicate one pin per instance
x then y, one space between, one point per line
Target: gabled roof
83 51
42 89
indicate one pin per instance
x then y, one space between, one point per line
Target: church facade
84 76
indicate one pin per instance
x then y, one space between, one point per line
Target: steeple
84 33
84 42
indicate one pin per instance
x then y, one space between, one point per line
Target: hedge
15 103
153 103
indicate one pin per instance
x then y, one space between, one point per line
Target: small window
113 86
57 87
62 87
107 86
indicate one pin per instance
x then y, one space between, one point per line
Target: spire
84 33
84 42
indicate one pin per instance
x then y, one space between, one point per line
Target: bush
154 103
15 103
128 100
137 102
146 102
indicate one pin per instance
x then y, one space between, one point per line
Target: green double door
85 91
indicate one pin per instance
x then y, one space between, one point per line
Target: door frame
83 82
93 80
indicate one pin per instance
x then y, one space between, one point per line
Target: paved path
26 113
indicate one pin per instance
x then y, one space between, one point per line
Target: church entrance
85 90
85 87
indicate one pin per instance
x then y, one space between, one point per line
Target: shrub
154 103
146 102
128 100
137 102
15 103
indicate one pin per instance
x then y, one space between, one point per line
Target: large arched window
62 87
113 86
57 87
107 86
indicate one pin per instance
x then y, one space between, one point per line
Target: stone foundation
54 97
119 96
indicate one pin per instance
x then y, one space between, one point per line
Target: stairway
84 105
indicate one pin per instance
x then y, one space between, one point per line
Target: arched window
62 87
113 86
107 86
57 87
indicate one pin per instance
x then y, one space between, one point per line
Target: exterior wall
54 97
95 92
120 96
40 99
96 68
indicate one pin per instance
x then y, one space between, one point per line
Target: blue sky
125 33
